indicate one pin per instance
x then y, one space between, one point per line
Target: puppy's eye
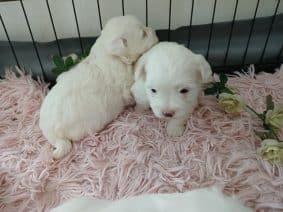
184 90
153 90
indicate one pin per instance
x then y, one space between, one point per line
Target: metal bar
77 25
191 22
230 69
269 32
146 12
169 24
211 29
53 27
10 43
123 8
99 14
231 32
250 33
280 53
33 41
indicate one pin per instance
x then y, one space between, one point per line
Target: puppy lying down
199 200
169 78
94 92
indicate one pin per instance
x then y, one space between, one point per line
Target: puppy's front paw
175 129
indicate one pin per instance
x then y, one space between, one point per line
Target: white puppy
168 78
93 93
198 200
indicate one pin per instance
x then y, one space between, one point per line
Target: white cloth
199 200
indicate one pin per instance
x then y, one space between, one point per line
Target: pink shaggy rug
133 155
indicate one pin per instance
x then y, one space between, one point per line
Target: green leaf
86 53
266 126
58 61
262 117
59 70
223 78
226 90
218 85
69 61
269 103
211 91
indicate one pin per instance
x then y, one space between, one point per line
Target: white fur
198 200
168 68
93 93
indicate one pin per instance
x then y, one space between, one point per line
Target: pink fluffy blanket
133 155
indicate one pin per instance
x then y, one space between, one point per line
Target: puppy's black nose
168 114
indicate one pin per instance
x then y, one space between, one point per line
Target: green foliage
63 64
226 90
218 87
69 61
210 91
223 78
268 134
58 61
269 103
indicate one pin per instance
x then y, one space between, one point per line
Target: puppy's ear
140 72
204 69
117 46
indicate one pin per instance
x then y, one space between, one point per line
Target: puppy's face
173 80
128 38
172 93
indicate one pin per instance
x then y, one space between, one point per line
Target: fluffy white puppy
94 92
169 78
198 200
